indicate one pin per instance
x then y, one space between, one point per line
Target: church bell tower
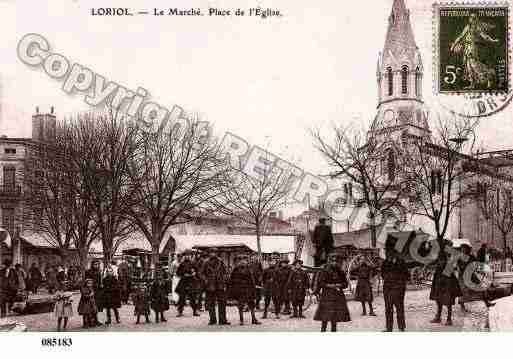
399 78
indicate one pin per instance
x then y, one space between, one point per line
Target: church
402 114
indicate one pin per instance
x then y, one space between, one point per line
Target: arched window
404 79
390 77
417 83
391 165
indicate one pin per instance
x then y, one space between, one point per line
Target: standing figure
444 288
323 242
159 299
282 277
22 278
270 286
87 305
215 276
395 275
470 43
94 273
198 264
332 303
470 284
298 284
258 271
243 288
36 277
111 295
188 286
8 287
124 280
63 309
141 299
61 278
363 294
51 279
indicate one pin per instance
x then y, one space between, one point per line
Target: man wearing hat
243 288
214 275
297 286
94 273
188 285
395 276
270 286
323 242
282 277
332 301
258 271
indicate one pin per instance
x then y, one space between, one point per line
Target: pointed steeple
400 47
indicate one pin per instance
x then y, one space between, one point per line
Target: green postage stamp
472 44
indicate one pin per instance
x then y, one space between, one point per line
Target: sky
266 80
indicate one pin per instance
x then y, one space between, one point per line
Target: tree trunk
107 257
259 244
82 260
374 239
155 256
505 244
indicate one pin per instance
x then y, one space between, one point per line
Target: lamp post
459 143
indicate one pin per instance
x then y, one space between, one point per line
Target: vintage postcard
255 166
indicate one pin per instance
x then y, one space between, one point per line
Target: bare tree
111 144
251 197
435 171
173 176
495 200
60 198
369 163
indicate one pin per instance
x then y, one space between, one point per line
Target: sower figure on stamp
332 303
270 287
364 272
323 242
111 295
215 276
395 275
470 43
188 286
159 299
297 285
243 288
282 277
444 288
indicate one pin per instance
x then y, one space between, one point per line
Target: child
87 305
141 299
63 309
159 299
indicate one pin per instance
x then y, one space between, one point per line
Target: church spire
400 43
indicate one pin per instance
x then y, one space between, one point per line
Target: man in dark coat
124 280
270 286
298 284
35 278
94 273
282 277
215 276
332 302
482 252
243 288
258 271
111 295
199 261
323 242
395 275
188 286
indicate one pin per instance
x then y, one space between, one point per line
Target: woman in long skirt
363 294
332 304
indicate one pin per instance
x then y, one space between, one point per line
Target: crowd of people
206 281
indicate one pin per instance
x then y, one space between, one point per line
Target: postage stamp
472 44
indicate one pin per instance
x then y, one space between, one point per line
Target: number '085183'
56 342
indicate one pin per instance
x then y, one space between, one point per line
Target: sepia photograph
255 167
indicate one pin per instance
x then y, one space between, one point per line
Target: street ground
419 311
